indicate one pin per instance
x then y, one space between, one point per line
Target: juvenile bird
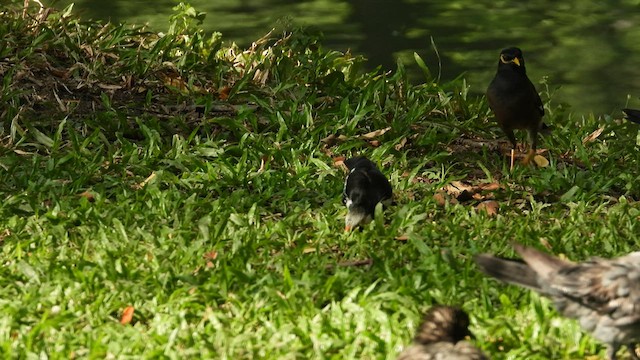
632 115
602 294
364 187
441 337
514 100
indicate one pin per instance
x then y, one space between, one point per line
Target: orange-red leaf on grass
338 161
223 94
489 187
491 207
211 255
87 195
127 315
440 198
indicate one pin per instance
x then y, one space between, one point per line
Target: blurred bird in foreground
514 100
441 336
602 294
364 187
632 115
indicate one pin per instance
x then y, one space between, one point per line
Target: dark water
588 50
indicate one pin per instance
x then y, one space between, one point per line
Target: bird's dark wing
610 287
380 185
539 104
632 115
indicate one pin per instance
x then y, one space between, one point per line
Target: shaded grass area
197 184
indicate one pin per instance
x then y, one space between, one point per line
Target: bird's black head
443 323
512 58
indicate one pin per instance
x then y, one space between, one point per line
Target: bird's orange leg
530 155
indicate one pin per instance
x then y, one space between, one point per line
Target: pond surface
588 50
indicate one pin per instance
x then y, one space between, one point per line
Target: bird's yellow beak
505 61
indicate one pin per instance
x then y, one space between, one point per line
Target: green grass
190 180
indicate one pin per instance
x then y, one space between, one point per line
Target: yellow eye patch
504 60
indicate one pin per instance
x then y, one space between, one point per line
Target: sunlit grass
196 184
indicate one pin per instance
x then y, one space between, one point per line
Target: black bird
441 337
514 100
364 187
602 294
632 115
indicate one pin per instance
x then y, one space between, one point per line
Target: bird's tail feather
542 263
508 270
632 115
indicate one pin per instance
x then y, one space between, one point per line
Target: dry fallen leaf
403 237
109 87
4 233
263 160
545 243
333 139
374 134
491 207
127 315
455 188
338 161
308 250
440 198
593 136
145 182
489 187
261 76
541 161
463 191
374 143
401 144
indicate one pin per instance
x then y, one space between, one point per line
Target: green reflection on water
589 48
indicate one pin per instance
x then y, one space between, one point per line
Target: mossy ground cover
198 183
